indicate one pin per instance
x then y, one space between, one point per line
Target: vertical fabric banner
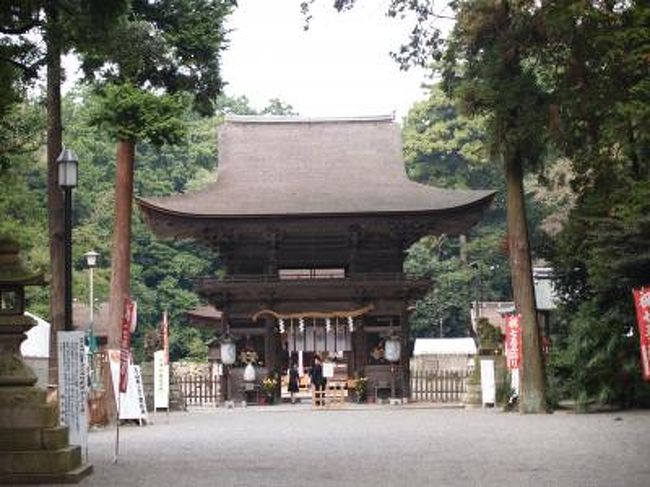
161 381
513 341
73 385
642 304
128 325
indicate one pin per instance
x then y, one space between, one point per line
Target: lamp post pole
67 165
67 239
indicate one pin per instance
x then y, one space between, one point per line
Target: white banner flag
132 405
160 381
73 385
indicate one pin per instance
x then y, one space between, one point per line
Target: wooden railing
199 390
438 386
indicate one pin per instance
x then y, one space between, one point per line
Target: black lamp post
67 163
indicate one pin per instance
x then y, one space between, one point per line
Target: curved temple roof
279 166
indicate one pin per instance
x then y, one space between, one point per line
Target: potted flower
269 385
361 389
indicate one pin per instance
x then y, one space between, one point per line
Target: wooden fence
438 386
198 390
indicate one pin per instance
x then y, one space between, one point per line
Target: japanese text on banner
513 341
642 304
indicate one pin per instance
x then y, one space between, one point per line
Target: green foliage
490 338
174 46
601 84
162 272
64 25
129 113
446 149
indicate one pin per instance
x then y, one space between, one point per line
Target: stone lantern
33 446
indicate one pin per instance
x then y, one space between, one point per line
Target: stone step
73 476
19 439
29 416
55 438
40 461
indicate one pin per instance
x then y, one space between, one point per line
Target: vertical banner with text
513 341
73 385
128 326
160 380
642 304
165 337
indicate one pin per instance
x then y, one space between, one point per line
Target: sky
341 66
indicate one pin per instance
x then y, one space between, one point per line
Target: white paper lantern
392 349
228 351
249 373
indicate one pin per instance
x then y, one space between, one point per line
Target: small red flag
165 337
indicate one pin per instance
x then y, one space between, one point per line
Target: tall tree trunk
532 397
121 254
54 193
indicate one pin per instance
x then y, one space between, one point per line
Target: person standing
294 379
317 379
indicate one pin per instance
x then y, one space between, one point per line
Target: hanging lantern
392 349
301 325
228 351
281 325
328 325
351 323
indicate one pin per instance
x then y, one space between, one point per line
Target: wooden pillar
405 374
359 348
270 352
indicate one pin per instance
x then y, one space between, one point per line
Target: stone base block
73 476
29 416
33 439
40 461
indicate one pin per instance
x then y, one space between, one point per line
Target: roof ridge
298 119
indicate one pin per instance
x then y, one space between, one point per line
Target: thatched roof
81 318
270 166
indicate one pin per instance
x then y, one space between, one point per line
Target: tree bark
54 193
532 396
121 253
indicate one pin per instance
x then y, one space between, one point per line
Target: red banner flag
642 303
128 325
165 337
513 341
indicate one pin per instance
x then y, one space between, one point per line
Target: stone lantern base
33 447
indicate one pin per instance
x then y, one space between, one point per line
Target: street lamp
91 262
228 357
392 353
67 164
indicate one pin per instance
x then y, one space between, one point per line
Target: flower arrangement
269 385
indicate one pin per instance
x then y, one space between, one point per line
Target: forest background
588 199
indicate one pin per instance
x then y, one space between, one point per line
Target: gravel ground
293 445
